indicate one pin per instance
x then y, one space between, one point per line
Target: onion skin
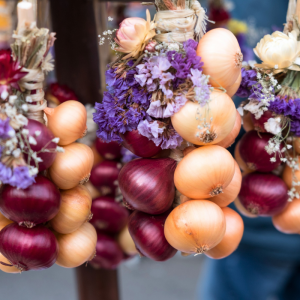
78 247
231 91
109 151
233 235
288 176
259 124
288 221
253 152
242 210
29 249
67 121
222 57
263 194
148 184
147 233
42 140
297 144
7 269
247 122
222 111
108 253
139 144
37 204
108 215
92 190
75 209
239 160
104 177
230 138
126 242
97 157
195 226
192 181
4 221
231 192
72 167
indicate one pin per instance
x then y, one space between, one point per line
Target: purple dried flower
249 80
21 178
6 131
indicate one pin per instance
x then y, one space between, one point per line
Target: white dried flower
56 140
16 153
32 140
25 131
60 149
273 126
12 99
38 133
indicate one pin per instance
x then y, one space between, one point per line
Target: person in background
266 266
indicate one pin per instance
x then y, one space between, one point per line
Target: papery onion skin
231 91
195 226
7 269
230 138
222 57
72 167
231 191
75 209
247 122
288 221
108 215
104 177
139 144
263 194
147 232
78 247
67 121
233 235
288 176
242 210
108 253
43 140
126 242
205 172
221 112
148 184
259 124
29 249
239 160
109 151
253 152
37 204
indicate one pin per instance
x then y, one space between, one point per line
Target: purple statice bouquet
143 94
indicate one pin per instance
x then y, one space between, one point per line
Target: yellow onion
77 247
231 91
233 235
93 191
288 176
220 113
248 122
297 145
72 167
75 209
4 222
195 226
222 57
231 192
126 242
239 159
288 221
67 121
242 209
97 157
205 172
230 138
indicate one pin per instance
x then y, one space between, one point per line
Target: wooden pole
77 65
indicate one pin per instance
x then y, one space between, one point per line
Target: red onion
253 152
148 184
147 233
104 176
139 144
37 204
43 137
263 194
29 249
108 215
259 124
110 151
108 253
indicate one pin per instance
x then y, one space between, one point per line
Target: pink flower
133 35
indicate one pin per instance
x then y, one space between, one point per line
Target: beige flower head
133 35
279 52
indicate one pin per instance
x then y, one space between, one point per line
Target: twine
33 81
181 25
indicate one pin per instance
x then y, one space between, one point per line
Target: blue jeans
246 275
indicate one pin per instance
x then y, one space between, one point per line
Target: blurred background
139 278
